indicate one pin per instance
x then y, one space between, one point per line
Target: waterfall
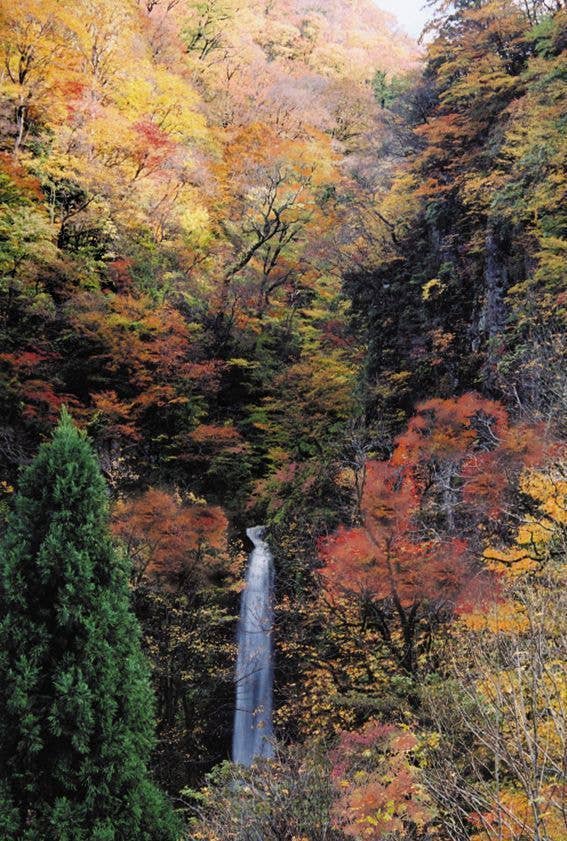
254 669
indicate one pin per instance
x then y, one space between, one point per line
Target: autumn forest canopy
272 261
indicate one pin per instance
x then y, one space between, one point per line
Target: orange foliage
513 817
417 545
211 437
135 337
116 414
42 399
384 557
377 784
446 429
19 177
468 440
171 541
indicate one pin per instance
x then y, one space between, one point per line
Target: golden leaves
499 617
535 534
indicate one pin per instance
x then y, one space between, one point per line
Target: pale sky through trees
410 13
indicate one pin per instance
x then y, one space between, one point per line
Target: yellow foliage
535 534
512 819
502 617
167 100
432 288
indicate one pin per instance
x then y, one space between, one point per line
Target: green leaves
75 702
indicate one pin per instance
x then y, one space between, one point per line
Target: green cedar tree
76 710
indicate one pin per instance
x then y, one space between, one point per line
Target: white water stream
253 729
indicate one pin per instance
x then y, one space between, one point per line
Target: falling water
254 670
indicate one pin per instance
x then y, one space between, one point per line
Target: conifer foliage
75 701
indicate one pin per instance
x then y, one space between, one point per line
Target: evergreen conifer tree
76 727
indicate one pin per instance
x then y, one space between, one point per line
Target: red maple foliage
378 793
170 541
413 555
